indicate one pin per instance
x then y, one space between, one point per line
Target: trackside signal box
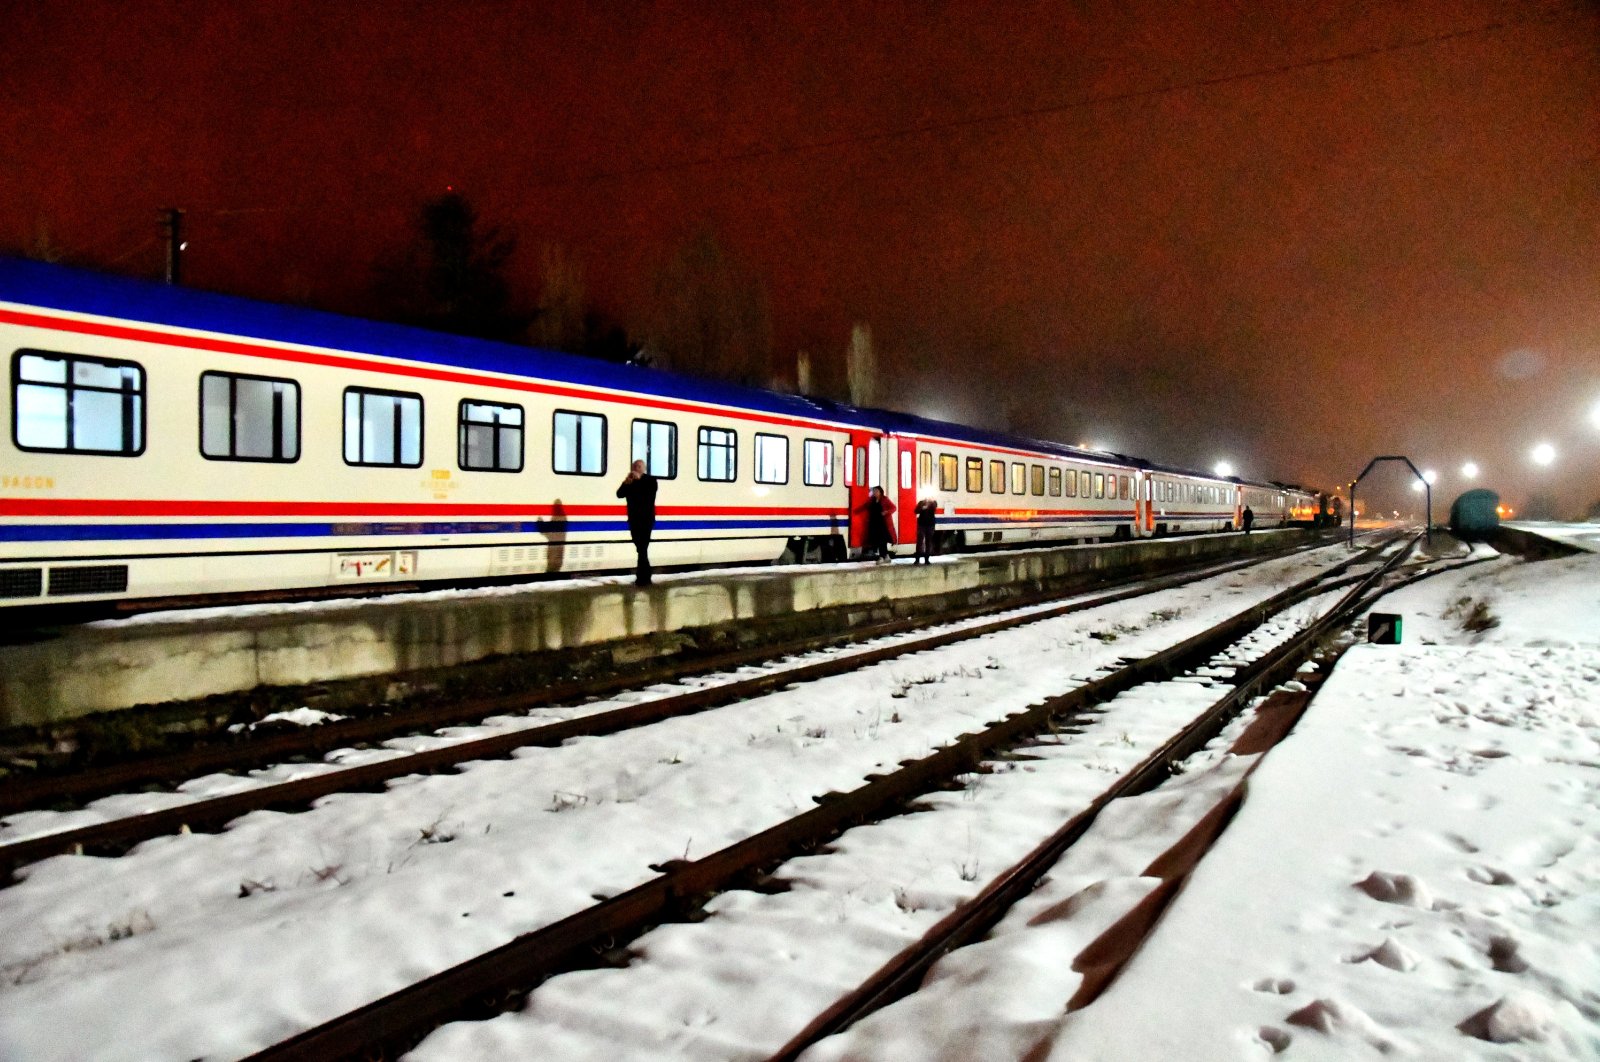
1383 628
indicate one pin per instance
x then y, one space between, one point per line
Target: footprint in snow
1334 1017
1485 875
1278 986
1402 889
1504 955
1514 1018
1390 953
1276 1039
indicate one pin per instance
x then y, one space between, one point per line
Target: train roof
81 291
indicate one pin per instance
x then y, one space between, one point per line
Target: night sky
1289 233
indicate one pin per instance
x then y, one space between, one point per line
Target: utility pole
172 227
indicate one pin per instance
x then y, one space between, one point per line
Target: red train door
863 470
905 462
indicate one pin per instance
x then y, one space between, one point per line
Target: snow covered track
513 969
191 813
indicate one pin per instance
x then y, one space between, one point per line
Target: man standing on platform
640 491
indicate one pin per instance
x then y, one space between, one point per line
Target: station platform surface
164 657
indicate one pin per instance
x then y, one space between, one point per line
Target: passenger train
168 443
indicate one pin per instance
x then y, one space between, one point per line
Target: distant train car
167 443
1180 501
994 489
1475 515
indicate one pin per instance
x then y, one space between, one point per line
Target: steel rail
971 920
398 1020
79 786
118 834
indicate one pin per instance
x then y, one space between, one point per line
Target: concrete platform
184 656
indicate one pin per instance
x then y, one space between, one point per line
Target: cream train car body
169 443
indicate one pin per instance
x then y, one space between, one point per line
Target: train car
994 489
164 442
1182 501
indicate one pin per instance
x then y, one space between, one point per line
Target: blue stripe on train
127 532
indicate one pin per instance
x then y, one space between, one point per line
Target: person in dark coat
1249 519
640 491
927 511
877 509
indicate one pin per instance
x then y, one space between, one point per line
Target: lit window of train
772 458
925 468
382 428
655 442
249 418
948 471
1055 482
718 455
818 463
975 475
578 444
68 403
490 437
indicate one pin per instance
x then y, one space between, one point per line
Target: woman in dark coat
880 533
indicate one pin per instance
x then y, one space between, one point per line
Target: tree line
710 315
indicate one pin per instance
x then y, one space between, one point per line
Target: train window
578 444
974 475
719 454
1099 484
72 404
925 468
382 428
818 456
1055 483
1124 488
249 418
1019 478
905 469
1038 480
949 471
861 466
489 437
655 442
997 477
1072 483
772 458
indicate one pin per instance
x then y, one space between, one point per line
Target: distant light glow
1417 485
1429 476
1544 454
1594 414
1223 469
1469 470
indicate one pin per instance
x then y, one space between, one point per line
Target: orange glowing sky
1290 233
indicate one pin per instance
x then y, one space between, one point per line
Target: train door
863 470
1146 492
906 497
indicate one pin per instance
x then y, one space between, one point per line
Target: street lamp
1223 469
1430 477
1469 470
1594 414
1543 455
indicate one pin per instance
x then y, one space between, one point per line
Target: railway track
248 751
118 834
391 1025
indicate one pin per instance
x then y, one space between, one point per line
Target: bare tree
711 315
559 323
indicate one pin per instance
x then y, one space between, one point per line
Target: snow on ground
215 945
1414 873
1583 536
